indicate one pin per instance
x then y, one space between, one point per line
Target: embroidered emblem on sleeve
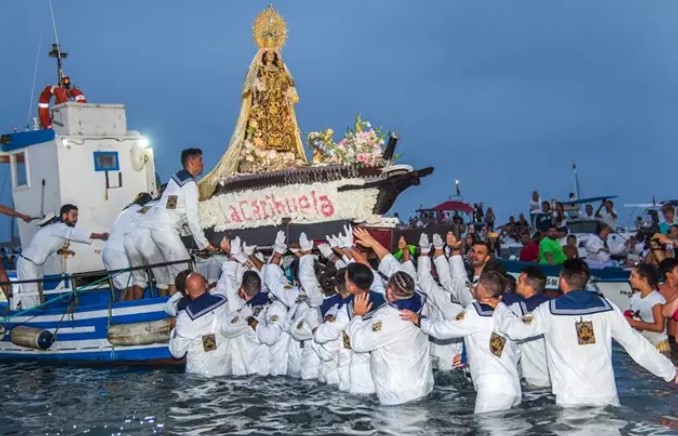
497 344
528 318
346 340
234 320
460 316
257 311
144 209
209 342
275 318
330 318
585 333
300 325
171 202
376 326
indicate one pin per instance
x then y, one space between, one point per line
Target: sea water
43 399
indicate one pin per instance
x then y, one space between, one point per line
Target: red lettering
278 206
262 205
269 205
315 202
234 215
326 206
243 203
257 210
304 204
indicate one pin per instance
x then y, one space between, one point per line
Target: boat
82 153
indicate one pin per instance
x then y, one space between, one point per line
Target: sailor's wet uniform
255 329
46 242
492 358
303 316
177 207
197 335
400 363
439 305
335 359
533 363
113 255
578 329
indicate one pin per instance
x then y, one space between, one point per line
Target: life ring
61 95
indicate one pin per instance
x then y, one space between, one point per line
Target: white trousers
490 400
27 294
172 249
151 255
116 260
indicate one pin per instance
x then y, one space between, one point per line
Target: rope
35 76
56 36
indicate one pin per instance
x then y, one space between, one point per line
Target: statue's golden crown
270 29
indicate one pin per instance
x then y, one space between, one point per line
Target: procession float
82 153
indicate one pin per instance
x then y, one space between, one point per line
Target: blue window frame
106 161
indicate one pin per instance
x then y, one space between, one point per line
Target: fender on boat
140 333
31 337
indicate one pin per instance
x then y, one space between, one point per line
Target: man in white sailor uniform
197 334
179 206
492 358
113 254
335 359
52 238
303 316
254 328
529 295
399 351
438 304
578 329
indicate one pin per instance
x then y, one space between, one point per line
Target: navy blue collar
414 303
259 300
376 299
579 303
529 304
183 303
510 299
483 309
334 300
204 304
182 177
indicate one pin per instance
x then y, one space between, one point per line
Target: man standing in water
578 329
179 206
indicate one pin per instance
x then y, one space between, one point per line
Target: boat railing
76 283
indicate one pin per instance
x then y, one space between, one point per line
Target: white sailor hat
47 219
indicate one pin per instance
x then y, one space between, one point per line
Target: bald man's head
196 285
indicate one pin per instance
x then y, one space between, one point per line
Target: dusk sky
502 95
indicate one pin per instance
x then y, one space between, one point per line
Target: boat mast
59 55
577 188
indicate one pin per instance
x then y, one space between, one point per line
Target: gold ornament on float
270 30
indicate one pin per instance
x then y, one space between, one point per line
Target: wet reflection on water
73 400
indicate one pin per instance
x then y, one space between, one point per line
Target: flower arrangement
255 158
361 145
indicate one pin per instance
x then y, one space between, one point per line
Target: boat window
106 161
20 171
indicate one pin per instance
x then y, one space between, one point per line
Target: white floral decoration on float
302 203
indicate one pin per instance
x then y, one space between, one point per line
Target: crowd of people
357 318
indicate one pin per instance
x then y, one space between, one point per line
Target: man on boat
179 206
51 239
113 254
6 210
197 334
597 250
578 329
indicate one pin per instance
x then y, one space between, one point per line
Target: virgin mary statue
266 136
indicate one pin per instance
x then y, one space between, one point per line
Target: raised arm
191 196
277 284
270 331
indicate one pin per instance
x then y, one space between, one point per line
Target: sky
502 95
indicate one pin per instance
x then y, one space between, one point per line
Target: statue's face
269 57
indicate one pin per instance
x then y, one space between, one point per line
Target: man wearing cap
51 239
178 207
113 254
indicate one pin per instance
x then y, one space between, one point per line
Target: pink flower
362 157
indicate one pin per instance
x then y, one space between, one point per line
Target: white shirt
607 218
122 224
49 239
578 329
642 309
596 257
179 206
399 355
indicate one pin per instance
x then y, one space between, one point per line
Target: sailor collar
182 177
376 299
579 303
335 300
483 309
203 305
529 304
414 303
260 299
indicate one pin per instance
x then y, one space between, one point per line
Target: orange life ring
61 95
